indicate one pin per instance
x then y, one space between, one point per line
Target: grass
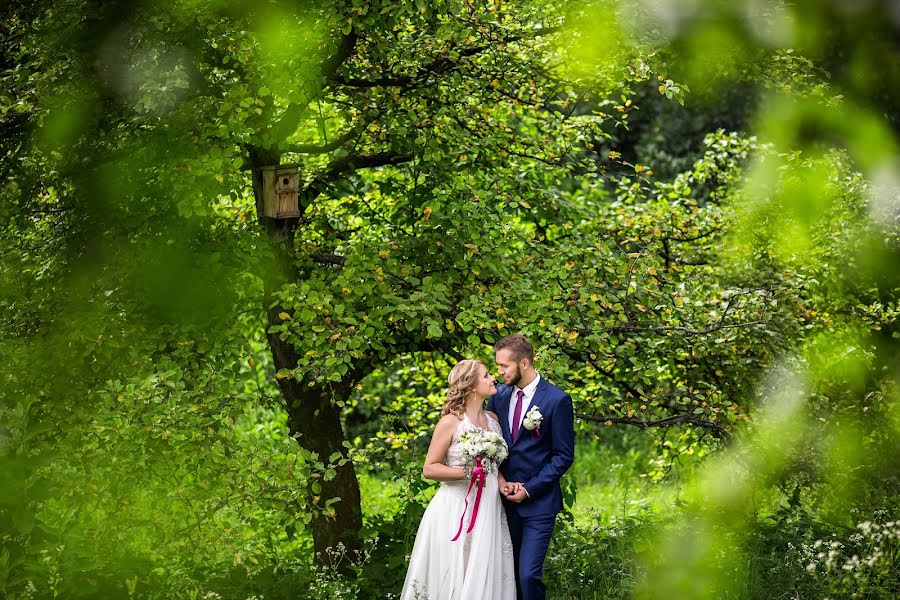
609 473
380 495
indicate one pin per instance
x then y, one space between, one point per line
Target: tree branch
584 358
367 161
717 430
323 148
287 124
451 351
345 49
437 66
328 259
351 163
685 330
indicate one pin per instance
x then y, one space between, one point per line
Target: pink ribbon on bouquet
478 475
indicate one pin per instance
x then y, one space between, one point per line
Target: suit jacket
538 460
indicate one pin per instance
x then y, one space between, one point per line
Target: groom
541 448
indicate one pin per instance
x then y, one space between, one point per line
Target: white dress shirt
529 390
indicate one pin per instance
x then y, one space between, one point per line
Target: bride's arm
437 451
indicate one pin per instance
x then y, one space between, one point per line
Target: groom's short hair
518 345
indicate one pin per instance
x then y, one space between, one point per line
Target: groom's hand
518 493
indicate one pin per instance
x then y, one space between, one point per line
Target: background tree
467 172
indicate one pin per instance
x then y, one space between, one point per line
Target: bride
478 564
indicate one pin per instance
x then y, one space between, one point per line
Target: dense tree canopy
466 171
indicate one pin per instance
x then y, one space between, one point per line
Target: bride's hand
508 488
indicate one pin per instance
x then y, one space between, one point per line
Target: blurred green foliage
691 207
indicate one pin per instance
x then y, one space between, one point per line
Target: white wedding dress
478 565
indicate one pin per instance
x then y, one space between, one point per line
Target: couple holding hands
486 531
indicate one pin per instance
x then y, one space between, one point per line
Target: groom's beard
514 381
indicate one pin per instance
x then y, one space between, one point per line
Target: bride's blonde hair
462 380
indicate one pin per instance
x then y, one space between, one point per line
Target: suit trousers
530 540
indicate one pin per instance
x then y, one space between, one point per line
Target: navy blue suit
538 461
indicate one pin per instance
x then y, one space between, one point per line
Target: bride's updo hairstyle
462 380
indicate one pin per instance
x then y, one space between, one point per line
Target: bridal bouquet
486 445
483 451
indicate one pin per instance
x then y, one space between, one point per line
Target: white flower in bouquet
487 445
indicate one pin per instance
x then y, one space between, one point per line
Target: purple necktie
517 415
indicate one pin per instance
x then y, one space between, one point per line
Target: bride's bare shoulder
449 421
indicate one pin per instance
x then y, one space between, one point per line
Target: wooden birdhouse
281 192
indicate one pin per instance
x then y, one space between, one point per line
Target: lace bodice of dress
454 453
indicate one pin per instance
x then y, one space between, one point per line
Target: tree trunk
312 414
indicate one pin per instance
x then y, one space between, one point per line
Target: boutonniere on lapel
532 420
